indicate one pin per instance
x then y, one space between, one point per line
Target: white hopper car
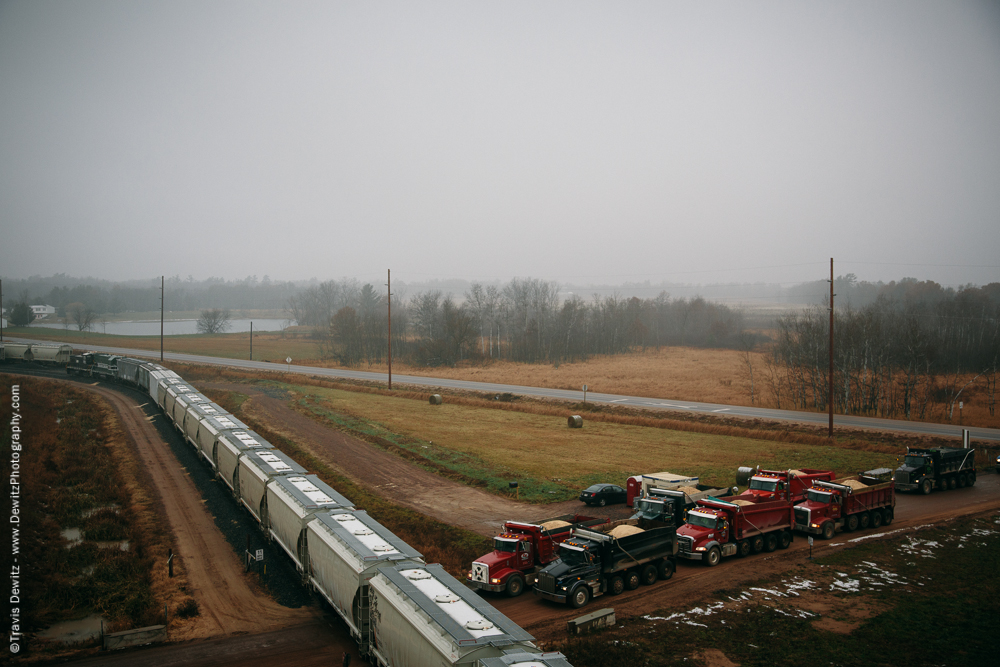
229 447
254 471
421 616
345 551
291 503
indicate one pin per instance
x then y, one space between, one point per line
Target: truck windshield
574 557
763 485
819 496
703 520
509 546
913 461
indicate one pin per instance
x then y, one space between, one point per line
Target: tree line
912 345
525 320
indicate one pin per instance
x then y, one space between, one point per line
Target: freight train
401 610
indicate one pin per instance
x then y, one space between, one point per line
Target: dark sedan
603 494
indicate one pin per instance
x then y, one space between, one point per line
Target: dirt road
388 475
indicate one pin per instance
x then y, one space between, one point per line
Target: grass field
492 444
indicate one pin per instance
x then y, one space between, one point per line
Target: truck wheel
971 477
865 520
515 586
785 540
713 557
876 519
757 544
616 586
887 516
925 487
743 548
952 482
666 569
961 480
648 575
828 530
770 542
632 580
580 596
852 523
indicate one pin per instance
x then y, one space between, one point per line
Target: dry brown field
675 373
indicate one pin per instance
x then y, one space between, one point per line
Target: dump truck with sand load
734 525
669 505
637 486
346 549
936 468
611 559
868 499
789 484
521 550
421 616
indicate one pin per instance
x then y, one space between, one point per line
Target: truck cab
821 508
705 528
767 487
512 554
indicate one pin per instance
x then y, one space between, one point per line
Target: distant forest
892 339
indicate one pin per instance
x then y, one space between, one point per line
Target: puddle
73 536
74 631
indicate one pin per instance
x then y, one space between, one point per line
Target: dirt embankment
227 599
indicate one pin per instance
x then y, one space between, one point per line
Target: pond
170 327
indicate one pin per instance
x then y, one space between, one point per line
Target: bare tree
81 315
214 321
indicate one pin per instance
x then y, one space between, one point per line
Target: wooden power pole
830 400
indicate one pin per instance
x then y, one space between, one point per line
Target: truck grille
546 583
684 544
480 572
902 477
801 516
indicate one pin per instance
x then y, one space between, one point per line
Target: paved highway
822 419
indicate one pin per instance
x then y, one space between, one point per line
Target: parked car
603 494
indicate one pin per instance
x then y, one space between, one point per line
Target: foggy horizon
581 143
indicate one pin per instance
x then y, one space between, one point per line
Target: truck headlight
814 525
699 548
494 581
562 588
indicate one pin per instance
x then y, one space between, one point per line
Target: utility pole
1 311
830 401
161 319
388 284
251 340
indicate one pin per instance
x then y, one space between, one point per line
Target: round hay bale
743 475
435 399
554 525
575 421
625 531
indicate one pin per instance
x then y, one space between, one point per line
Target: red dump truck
521 550
734 525
868 499
781 484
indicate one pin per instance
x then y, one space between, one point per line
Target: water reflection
170 327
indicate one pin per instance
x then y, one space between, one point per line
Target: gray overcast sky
570 141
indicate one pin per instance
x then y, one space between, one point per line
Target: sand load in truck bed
625 531
742 502
555 525
690 490
796 473
854 484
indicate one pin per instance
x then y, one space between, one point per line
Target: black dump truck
616 558
668 506
936 468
